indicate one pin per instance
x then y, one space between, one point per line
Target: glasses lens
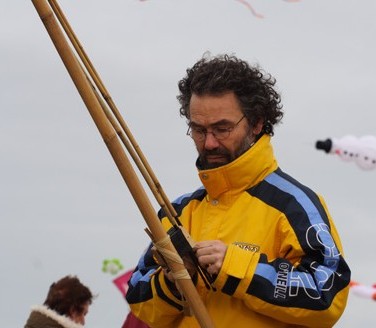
198 134
221 133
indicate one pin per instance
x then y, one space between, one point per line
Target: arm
151 296
308 278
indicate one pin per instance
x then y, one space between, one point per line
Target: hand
188 263
211 254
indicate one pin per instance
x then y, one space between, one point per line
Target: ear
73 314
257 128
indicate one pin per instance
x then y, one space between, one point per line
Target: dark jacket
43 317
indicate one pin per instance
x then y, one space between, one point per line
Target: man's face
208 112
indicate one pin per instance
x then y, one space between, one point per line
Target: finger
204 250
168 274
213 269
203 244
206 260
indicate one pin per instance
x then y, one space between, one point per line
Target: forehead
209 109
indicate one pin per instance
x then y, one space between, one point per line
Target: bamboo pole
129 142
109 136
120 125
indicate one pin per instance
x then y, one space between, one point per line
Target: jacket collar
244 172
65 321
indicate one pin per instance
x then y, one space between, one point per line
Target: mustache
211 152
203 158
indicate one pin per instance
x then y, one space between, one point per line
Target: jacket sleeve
151 297
309 277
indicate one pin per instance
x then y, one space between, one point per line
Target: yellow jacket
284 265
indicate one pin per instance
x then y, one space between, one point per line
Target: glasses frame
203 134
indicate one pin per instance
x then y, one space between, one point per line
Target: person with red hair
66 305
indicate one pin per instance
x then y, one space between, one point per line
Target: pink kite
363 290
131 321
247 4
121 282
250 7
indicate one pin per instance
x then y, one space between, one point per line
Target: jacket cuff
237 271
167 291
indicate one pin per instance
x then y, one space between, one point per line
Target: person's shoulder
198 194
43 316
183 200
287 182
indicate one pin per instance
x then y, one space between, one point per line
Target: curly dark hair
68 294
224 73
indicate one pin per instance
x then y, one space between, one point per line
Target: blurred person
66 305
267 240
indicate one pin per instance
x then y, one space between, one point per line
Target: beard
227 156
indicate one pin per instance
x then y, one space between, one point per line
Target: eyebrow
221 122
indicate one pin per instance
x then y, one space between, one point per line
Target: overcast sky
63 205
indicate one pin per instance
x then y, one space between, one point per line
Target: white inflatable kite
349 148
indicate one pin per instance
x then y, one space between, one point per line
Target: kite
363 290
349 148
247 4
253 11
250 7
114 266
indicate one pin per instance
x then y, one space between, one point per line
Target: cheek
228 147
78 318
233 143
240 145
81 319
200 146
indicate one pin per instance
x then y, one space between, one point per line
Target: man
267 240
66 306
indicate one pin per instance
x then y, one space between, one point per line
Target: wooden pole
120 125
109 136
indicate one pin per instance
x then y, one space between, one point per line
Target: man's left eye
221 129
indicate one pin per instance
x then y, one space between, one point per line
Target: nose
211 142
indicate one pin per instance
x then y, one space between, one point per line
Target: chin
213 165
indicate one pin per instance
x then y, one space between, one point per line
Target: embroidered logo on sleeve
248 247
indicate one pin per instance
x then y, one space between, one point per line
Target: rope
161 248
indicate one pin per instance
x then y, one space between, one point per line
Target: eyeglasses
219 132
